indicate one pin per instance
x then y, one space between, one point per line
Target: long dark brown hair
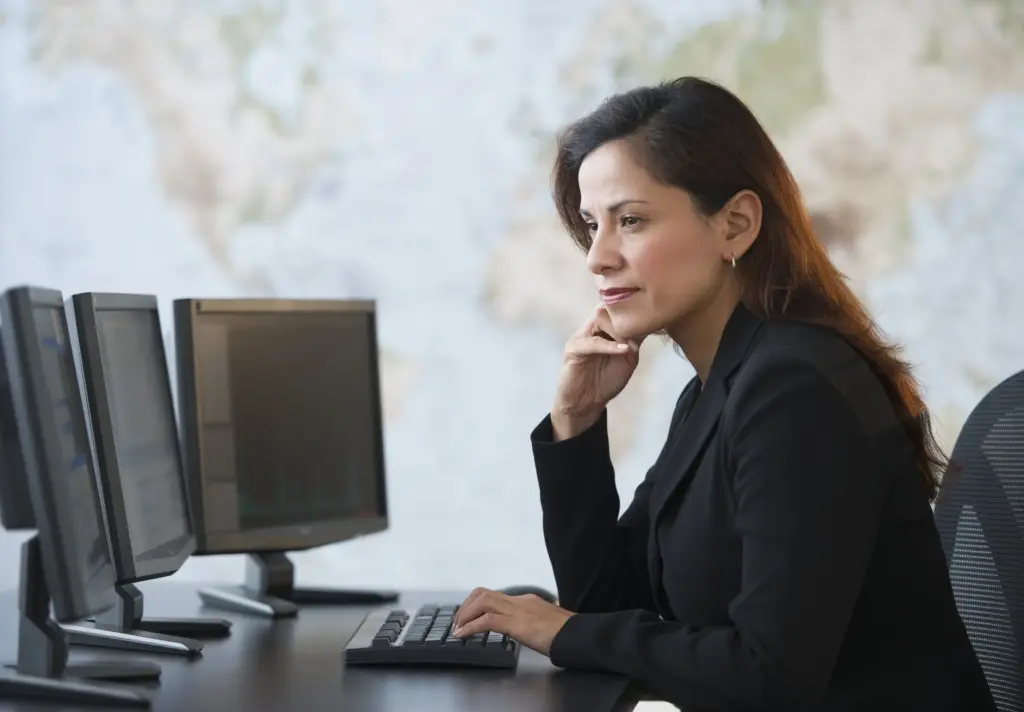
696 135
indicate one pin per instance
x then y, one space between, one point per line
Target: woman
781 553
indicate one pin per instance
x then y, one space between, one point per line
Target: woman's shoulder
787 343
790 354
789 339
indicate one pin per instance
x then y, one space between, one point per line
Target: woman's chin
630 327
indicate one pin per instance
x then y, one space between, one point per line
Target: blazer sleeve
599 560
810 473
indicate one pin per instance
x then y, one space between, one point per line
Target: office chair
980 516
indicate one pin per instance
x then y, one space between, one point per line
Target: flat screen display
289 414
75 483
144 432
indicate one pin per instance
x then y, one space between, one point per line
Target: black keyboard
393 637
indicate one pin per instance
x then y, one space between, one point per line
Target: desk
295 665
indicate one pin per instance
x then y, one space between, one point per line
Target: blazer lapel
688 443
691 436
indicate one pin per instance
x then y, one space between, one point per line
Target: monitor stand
41 671
127 615
120 628
98 635
270 590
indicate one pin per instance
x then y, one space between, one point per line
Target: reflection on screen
145 436
58 372
292 398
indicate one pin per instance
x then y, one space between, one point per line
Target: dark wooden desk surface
295 665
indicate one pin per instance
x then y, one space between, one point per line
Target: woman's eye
630 221
591 227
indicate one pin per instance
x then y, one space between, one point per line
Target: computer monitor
128 392
47 484
282 435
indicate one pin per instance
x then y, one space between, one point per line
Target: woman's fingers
479 602
485 623
466 605
601 323
601 326
594 346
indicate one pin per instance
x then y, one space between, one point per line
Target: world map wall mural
401 151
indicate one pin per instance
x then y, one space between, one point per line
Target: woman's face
655 258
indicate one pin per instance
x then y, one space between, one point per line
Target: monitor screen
61 403
145 436
288 417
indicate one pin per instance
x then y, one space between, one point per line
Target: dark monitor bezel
86 307
15 502
294 537
40 440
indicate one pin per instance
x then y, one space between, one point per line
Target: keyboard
423 638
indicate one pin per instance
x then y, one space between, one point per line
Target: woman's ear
741 220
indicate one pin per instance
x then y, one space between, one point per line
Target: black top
780 554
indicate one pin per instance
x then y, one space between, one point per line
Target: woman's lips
613 296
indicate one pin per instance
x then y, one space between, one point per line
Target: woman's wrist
566 424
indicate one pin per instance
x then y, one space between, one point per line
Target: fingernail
634 345
457 632
622 347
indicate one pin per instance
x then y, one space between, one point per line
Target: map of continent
228 153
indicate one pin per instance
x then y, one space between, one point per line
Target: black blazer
781 553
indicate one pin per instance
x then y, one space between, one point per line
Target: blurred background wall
400 149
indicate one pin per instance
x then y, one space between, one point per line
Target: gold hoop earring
734 261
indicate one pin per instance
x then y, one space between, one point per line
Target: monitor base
41 666
112 671
196 628
103 636
342 596
240 599
127 615
67 691
270 591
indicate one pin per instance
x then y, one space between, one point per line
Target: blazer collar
737 338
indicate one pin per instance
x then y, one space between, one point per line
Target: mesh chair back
980 515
